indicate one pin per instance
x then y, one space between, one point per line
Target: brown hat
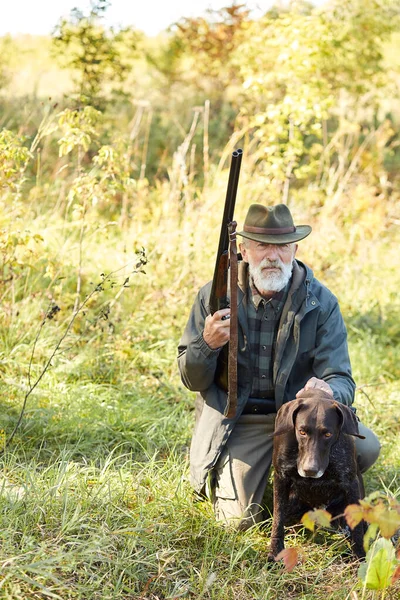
272 225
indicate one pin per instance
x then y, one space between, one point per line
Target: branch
49 314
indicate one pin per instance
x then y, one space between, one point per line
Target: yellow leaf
389 523
371 511
322 518
316 517
353 514
387 518
308 521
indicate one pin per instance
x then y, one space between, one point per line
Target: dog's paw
358 552
275 548
272 563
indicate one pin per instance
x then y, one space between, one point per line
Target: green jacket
311 342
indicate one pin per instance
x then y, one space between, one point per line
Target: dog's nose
311 472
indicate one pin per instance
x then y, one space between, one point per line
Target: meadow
100 262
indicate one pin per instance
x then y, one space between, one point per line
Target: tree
304 71
200 48
97 56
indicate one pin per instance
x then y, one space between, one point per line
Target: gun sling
233 338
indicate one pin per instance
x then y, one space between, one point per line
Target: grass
95 500
95 497
113 527
84 520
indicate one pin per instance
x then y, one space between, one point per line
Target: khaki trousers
240 476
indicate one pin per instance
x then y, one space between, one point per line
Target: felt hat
272 225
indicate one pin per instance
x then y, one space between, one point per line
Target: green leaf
370 535
376 573
377 495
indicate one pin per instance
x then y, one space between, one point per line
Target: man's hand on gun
217 328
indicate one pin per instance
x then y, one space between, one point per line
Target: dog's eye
302 432
327 434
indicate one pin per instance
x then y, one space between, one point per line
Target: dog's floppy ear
286 416
348 420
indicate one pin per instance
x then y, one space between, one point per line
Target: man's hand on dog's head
316 384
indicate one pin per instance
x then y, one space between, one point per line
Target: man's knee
231 514
368 450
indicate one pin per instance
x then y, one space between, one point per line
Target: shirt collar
276 300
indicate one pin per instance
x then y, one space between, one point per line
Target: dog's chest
318 493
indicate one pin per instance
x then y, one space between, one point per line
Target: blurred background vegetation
114 153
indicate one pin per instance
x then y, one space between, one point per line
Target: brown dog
315 463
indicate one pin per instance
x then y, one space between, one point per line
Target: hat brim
302 231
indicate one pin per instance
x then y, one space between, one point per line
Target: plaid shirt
263 319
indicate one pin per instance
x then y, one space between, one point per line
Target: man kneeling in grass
291 337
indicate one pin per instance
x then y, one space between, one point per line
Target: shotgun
219 289
226 371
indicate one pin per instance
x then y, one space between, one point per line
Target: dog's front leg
357 537
281 500
357 534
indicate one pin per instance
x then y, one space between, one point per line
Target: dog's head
316 421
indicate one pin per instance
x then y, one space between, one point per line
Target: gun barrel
230 200
218 298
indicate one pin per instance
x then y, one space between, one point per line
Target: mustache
277 264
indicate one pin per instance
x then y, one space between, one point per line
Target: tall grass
94 491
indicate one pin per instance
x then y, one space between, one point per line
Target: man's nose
271 251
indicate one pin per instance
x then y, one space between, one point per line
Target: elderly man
291 336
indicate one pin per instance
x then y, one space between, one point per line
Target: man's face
270 265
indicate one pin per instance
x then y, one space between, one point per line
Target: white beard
271 282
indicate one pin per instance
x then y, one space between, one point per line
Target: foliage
107 281
378 571
94 492
302 71
79 128
18 250
13 159
209 43
316 517
376 509
96 55
290 558
382 565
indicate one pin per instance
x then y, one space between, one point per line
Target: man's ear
243 251
348 420
295 249
286 416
